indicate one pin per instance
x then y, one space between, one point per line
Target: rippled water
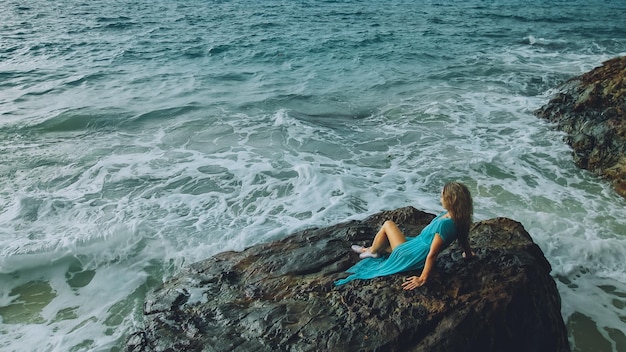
138 137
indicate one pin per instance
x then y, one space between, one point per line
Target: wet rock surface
591 109
280 296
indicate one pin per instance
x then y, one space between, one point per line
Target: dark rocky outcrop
280 296
591 109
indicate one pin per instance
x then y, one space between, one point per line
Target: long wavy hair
461 208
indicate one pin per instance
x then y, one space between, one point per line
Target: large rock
280 296
591 109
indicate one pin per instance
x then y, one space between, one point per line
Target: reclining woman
412 253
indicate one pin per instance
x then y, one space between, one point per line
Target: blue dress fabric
410 255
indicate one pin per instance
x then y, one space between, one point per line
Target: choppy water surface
138 137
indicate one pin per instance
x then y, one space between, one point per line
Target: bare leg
388 238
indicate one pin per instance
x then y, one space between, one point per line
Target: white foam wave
204 192
83 317
532 40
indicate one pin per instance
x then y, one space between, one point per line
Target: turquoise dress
410 255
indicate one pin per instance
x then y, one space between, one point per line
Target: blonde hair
458 199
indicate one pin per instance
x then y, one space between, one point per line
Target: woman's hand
466 256
413 282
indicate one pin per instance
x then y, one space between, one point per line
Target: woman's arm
417 281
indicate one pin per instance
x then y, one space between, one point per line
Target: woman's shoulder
443 215
447 230
446 222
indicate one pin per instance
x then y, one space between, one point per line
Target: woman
411 253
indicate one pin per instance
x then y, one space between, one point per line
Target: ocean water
137 137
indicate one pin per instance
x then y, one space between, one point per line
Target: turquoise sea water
137 137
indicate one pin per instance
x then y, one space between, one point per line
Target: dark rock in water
280 296
591 109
